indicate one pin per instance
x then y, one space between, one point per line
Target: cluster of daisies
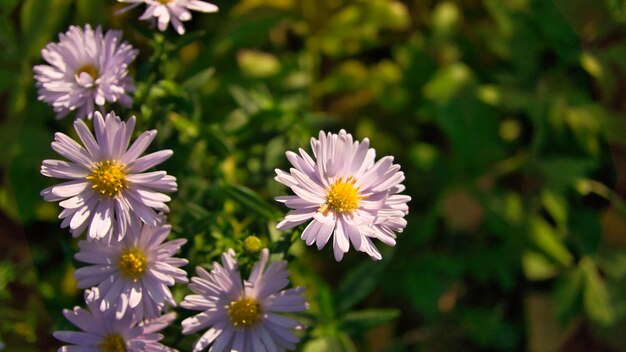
112 195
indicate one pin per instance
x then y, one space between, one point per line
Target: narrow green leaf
447 82
537 267
562 173
251 200
556 206
91 11
215 140
258 64
325 301
363 320
40 20
548 241
359 282
186 127
199 79
324 343
346 342
596 298
567 295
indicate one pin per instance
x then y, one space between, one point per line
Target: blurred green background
507 117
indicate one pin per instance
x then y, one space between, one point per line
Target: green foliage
503 115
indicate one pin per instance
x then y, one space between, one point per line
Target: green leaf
346 342
586 122
216 140
199 79
326 304
585 230
32 146
613 264
615 130
537 267
425 278
167 88
91 11
258 64
274 153
489 328
363 320
596 298
251 200
548 241
324 343
590 63
282 242
359 282
567 295
448 81
445 18
561 173
40 20
187 128
556 206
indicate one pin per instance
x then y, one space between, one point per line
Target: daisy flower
103 332
133 273
166 11
344 194
107 188
243 316
85 68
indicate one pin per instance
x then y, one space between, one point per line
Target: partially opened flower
103 332
85 70
344 194
107 188
133 274
174 11
243 316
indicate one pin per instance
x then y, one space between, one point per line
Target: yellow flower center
112 343
244 312
342 197
108 177
252 244
89 69
164 1
132 263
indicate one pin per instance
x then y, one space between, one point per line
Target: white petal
139 146
69 188
62 169
102 219
341 244
148 161
324 234
202 6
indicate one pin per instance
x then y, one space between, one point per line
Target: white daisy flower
174 11
344 194
133 273
107 188
85 69
243 316
103 332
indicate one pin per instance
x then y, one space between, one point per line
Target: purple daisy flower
174 11
133 273
345 194
107 188
243 316
85 68
102 331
